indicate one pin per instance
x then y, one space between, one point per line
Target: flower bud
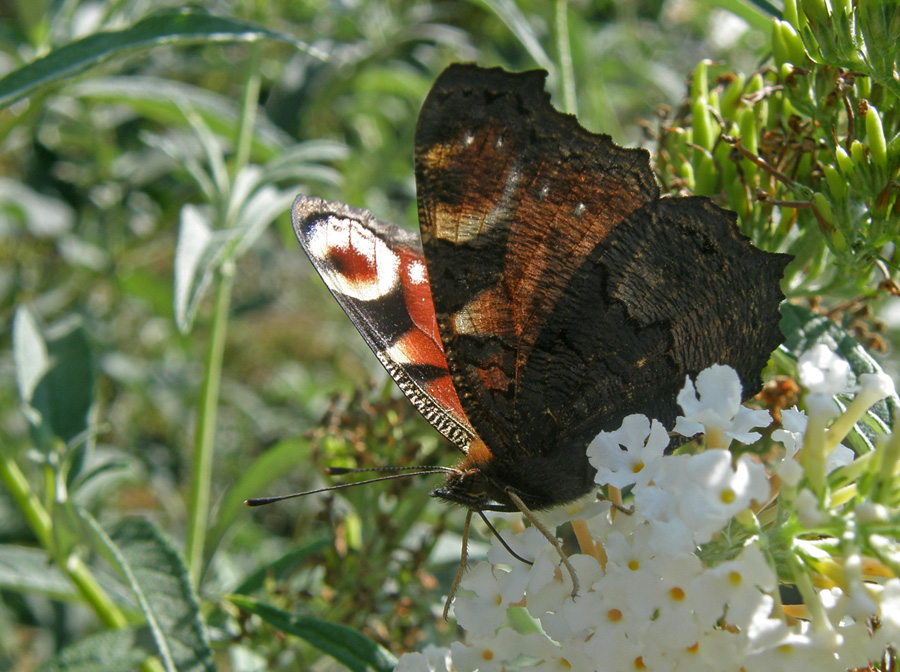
875 136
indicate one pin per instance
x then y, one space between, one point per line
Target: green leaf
354 650
55 376
159 579
109 651
518 24
283 566
185 27
803 330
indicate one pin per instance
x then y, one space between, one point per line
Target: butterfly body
550 293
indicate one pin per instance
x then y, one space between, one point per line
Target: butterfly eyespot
544 192
579 210
499 142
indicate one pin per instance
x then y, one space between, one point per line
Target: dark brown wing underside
567 294
671 291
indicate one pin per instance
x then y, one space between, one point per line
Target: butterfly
550 292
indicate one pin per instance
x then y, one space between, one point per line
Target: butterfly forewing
378 275
513 196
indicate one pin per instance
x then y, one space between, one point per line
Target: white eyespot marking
545 191
418 274
579 209
499 143
468 139
358 264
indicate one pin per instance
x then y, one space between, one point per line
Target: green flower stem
41 524
811 600
814 453
206 424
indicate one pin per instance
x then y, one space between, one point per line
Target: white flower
622 457
709 490
793 426
876 386
431 659
821 371
714 408
889 601
487 654
657 592
669 534
808 511
485 611
841 456
735 589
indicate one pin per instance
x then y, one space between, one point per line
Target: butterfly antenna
338 471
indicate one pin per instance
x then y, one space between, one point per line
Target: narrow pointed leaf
186 27
349 647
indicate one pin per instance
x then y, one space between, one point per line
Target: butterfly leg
548 535
463 561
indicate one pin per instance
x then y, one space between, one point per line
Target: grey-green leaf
29 570
158 576
30 354
198 253
109 651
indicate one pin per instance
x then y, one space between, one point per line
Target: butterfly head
472 483
467 487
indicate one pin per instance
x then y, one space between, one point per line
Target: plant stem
206 424
209 394
41 524
566 69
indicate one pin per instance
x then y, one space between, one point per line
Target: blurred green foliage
168 354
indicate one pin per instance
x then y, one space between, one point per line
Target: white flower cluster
686 578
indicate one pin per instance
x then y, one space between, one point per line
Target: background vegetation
167 351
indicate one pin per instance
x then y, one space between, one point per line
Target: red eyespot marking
357 267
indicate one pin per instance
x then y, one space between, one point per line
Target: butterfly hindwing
378 275
513 196
683 289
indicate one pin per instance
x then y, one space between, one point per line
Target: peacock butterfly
550 292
